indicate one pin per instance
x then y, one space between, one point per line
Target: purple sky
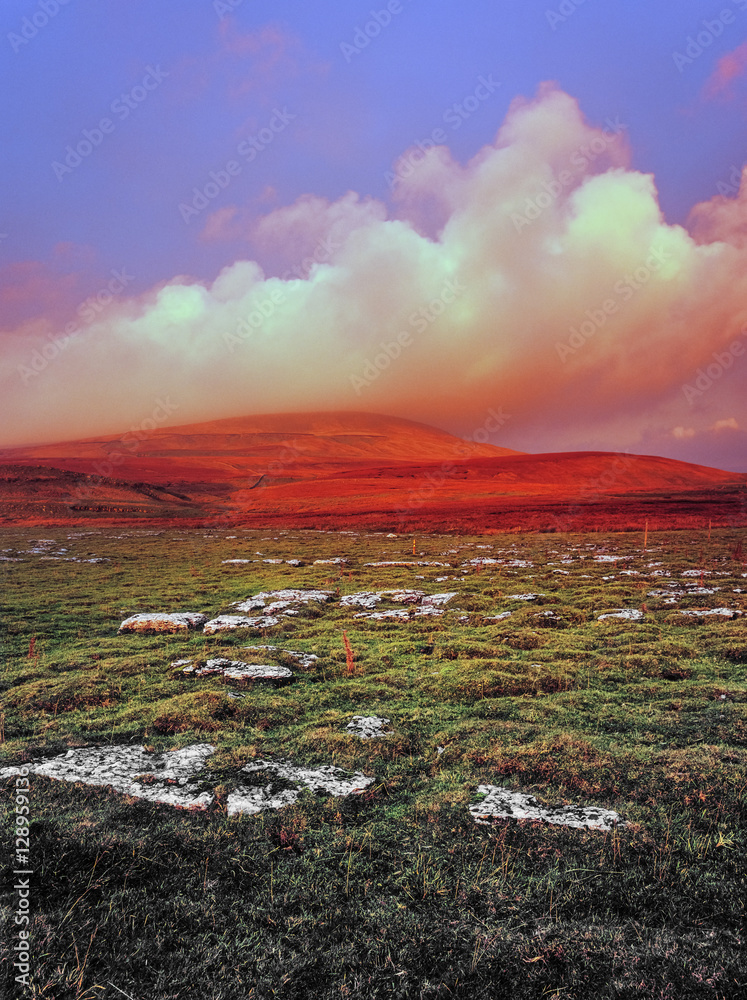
438 211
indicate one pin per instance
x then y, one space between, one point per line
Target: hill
354 470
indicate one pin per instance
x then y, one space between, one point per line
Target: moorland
598 670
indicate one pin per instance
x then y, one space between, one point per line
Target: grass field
395 892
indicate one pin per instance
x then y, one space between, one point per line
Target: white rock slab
162 622
523 597
502 803
324 780
498 618
363 599
438 600
227 623
410 563
671 595
380 615
239 671
304 659
404 596
631 614
367 727
169 777
724 612
290 596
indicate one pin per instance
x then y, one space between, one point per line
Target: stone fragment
367 727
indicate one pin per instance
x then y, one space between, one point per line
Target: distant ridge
357 471
331 436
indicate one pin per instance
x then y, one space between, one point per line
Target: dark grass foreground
395 893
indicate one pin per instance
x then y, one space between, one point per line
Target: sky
520 219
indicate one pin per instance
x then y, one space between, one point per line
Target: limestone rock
502 803
303 659
162 622
367 727
158 777
324 780
282 599
237 670
228 623
630 614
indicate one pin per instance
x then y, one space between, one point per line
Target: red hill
355 470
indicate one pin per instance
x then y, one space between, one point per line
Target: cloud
729 68
722 218
682 433
539 278
730 424
272 55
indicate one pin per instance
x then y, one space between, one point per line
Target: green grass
396 892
